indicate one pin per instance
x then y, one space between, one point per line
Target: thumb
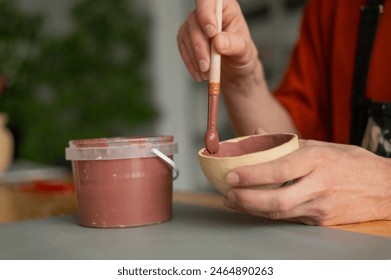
234 47
229 44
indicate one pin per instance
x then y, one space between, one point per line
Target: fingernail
232 178
223 41
210 30
204 65
229 200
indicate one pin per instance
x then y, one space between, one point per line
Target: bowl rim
294 138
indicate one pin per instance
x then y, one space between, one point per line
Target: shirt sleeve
304 88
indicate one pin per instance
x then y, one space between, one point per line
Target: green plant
90 82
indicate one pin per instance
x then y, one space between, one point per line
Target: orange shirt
317 86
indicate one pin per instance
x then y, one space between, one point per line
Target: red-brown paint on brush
211 135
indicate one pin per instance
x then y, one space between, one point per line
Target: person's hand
334 184
239 54
247 97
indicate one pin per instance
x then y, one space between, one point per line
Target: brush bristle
212 141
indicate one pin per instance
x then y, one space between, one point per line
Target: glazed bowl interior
244 151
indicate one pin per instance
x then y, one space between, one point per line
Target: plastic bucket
123 182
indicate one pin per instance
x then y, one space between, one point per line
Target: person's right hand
247 96
234 43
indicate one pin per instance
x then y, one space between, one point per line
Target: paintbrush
211 135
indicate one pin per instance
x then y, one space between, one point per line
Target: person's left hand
334 184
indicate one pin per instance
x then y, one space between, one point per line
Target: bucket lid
119 148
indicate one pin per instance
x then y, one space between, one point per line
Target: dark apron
371 121
377 136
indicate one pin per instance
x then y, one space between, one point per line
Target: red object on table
51 186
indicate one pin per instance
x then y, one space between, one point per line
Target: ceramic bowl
244 151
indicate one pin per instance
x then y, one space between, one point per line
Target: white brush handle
215 57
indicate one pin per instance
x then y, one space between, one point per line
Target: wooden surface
25 203
17 204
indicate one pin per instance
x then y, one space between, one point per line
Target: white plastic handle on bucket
168 161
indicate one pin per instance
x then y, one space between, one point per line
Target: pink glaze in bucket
123 182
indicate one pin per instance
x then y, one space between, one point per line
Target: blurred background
72 69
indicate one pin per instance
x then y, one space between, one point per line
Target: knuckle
318 154
281 205
355 151
314 151
284 174
252 177
322 214
197 48
190 22
309 142
192 17
242 44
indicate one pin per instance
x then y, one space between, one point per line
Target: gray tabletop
193 233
